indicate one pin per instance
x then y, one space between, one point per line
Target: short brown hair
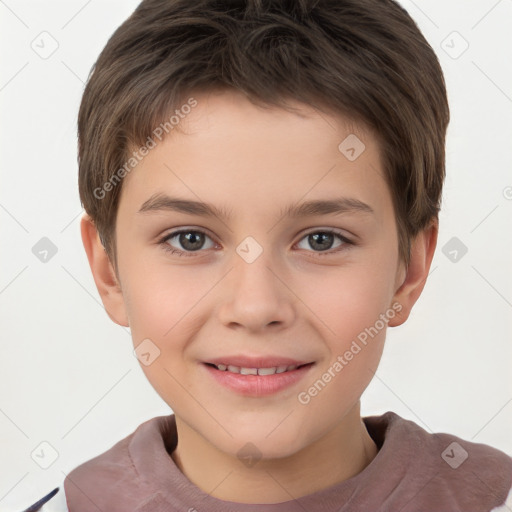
364 59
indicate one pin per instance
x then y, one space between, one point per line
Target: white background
68 374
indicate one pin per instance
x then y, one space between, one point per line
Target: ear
103 272
422 252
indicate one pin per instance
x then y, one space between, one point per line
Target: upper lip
256 362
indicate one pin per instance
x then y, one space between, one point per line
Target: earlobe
103 273
422 253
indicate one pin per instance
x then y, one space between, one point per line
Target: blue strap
37 506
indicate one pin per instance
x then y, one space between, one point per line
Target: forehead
231 152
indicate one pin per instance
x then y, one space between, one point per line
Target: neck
339 455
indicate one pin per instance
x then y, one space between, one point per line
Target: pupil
189 240
323 237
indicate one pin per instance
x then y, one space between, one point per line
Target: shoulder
113 474
121 472
114 464
445 468
507 506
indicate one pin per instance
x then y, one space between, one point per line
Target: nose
256 297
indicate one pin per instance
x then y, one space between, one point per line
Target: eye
322 241
190 240
193 240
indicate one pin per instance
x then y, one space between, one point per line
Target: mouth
257 381
272 370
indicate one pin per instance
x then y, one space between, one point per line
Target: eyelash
168 248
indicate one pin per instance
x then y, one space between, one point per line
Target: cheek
347 301
353 318
159 313
151 309
159 298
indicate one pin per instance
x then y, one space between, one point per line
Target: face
258 277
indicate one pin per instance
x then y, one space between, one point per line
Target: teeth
249 371
267 371
256 371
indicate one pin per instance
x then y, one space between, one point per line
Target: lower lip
258 385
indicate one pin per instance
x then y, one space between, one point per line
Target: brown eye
185 241
191 241
324 240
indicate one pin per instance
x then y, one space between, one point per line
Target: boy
262 181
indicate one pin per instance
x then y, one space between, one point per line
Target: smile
257 382
257 371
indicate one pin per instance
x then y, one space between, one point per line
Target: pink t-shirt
412 471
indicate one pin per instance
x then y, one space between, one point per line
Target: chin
254 446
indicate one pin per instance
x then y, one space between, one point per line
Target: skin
294 300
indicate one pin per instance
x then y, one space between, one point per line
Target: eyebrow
163 202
